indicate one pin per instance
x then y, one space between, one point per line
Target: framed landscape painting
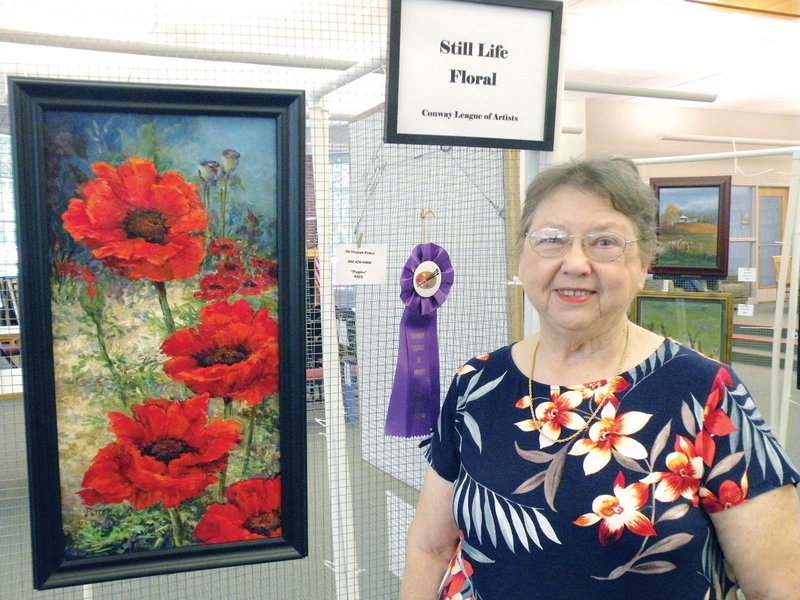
162 275
701 320
693 225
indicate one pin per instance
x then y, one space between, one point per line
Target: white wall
632 128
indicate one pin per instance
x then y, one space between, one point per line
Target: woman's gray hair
614 177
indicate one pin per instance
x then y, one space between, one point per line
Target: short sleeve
443 453
741 456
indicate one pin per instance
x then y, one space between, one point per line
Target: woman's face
573 293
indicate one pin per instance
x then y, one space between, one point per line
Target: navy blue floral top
620 511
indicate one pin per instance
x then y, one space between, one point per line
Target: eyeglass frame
583 239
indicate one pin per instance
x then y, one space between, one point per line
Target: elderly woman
596 459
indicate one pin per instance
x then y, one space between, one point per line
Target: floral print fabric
621 511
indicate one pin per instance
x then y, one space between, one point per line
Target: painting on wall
693 225
701 320
162 280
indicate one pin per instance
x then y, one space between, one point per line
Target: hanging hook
424 214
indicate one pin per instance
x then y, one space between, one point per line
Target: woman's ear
645 269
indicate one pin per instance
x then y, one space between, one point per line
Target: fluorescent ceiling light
721 139
625 90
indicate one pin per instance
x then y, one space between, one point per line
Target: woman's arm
761 540
432 539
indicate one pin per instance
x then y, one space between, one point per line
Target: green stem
206 203
227 410
227 407
177 527
106 357
248 441
165 310
223 475
206 197
223 198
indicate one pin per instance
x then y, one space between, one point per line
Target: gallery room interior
697 95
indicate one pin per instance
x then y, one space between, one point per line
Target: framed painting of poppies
162 270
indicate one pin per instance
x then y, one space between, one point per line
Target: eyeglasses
602 246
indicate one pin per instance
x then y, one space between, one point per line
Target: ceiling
746 59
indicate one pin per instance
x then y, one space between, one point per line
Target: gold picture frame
701 320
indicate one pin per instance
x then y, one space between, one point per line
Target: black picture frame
68 136
693 225
513 103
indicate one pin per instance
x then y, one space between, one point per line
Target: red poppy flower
139 223
230 265
265 267
72 269
216 287
67 268
167 452
253 285
232 353
253 512
91 282
224 247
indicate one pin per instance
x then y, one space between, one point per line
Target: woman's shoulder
499 358
673 355
644 344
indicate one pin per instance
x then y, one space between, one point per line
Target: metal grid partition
362 486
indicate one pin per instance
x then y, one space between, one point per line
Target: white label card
747 274
360 265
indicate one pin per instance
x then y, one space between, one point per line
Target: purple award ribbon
414 403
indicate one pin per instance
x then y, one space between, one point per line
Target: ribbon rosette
424 283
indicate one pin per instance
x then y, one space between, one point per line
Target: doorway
771 207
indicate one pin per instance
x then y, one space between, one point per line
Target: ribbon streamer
424 283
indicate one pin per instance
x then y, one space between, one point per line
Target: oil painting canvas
168 273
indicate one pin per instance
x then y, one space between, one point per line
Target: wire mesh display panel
284 45
403 196
362 487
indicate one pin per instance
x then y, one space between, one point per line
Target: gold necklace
538 424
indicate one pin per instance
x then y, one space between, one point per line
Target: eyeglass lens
599 245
